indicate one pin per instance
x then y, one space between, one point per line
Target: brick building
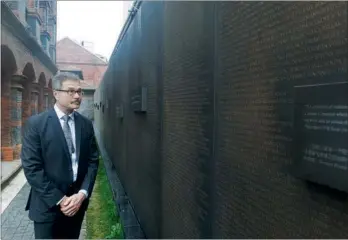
79 59
28 49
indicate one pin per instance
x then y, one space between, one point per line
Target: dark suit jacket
47 163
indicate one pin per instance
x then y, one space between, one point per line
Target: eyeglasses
71 92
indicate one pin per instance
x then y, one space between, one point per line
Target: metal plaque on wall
321 134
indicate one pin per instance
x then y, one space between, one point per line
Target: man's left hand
74 205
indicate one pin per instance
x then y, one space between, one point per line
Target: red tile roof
91 74
72 56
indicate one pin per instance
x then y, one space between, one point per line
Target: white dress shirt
74 162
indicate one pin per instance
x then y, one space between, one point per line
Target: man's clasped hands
70 205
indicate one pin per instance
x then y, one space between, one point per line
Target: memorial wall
230 119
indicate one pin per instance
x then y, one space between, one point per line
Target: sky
99 22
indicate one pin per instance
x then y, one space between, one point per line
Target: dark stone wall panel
263 50
187 118
212 156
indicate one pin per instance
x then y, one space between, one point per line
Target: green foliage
116 232
103 221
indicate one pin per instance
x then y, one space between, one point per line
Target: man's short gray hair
60 77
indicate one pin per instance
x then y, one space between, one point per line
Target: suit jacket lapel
78 130
57 127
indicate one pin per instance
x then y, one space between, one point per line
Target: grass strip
102 218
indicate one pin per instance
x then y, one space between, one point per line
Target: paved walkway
15 223
12 189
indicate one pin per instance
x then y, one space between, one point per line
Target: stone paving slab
8 169
12 189
15 223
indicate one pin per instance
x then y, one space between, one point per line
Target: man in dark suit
60 161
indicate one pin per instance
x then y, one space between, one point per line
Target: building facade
79 58
28 56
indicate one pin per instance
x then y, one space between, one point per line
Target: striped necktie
67 133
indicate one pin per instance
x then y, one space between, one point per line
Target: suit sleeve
33 166
93 162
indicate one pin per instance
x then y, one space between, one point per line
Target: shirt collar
60 114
